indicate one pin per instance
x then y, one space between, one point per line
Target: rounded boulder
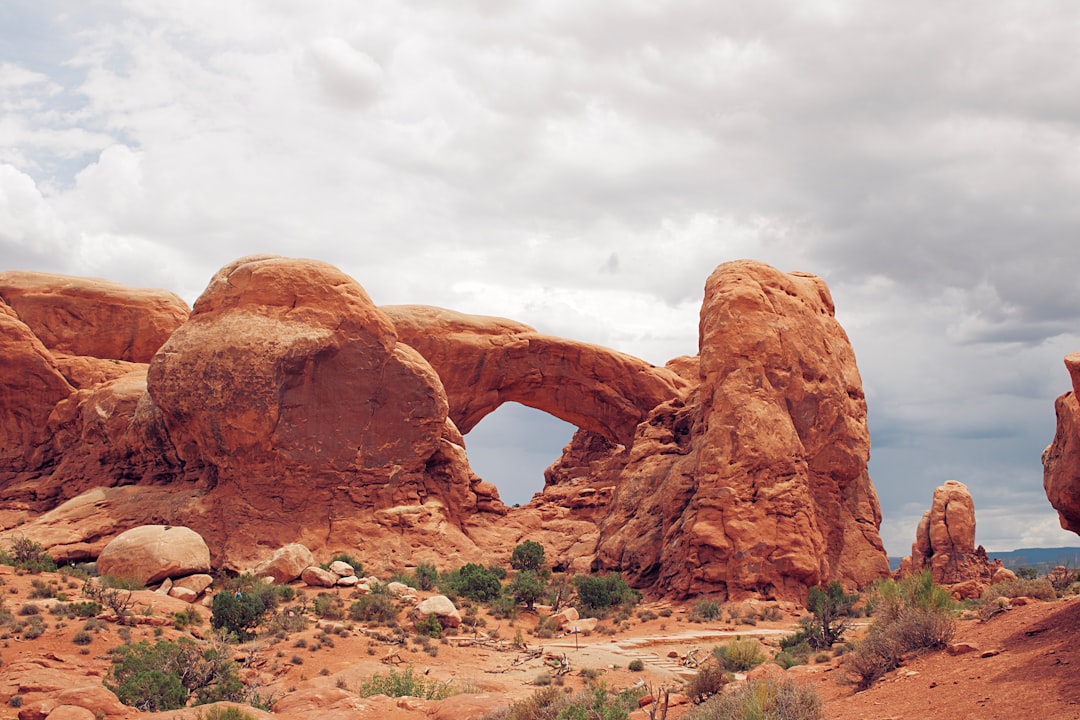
151 553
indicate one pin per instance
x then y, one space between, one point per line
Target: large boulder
151 553
1061 460
286 564
441 607
89 316
758 484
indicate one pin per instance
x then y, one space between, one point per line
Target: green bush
527 587
597 593
529 555
708 681
429 627
163 676
328 606
82 638
739 655
404 684
1041 589
240 611
910 614
224 713
85 609
829 608
426 576
636 665
704 610
26 554
378 608
551 703
472 581
765 699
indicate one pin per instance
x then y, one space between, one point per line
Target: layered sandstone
93 317
1061 460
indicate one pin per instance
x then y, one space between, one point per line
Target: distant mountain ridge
1042 559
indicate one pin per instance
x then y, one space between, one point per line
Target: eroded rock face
758 484
945 543
1061 460
288 408
486 361
93 317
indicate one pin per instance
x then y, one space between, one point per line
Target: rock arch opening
512 446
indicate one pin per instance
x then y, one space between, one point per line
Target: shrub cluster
239 609
739 655
551 703
28 555
1041 589
597 593
910 614
472 581
404 684
764 699
163 676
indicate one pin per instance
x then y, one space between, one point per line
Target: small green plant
704 610
1041 589
357 567
426 576
764 699
85 609
739 655
376 607
404 684
829 608
82 638
636 665
710 680
28 555
429 627
328 606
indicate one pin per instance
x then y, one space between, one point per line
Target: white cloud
584 169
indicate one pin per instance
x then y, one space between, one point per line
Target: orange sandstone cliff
288 407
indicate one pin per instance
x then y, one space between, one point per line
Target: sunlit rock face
1061 460
287 407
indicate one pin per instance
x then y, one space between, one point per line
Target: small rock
348 581
960 648
198 582
399 589
183 593
990 653
165 587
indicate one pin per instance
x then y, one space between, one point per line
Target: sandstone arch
486 361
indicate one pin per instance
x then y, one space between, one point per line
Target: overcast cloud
582 167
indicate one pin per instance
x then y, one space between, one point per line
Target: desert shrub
404 684
85 609
910 614
82 638
550 703
429 627
772 614
239 611
185 618
597 593
704 610
35 629
1027 573
42 590
1041 589
527 587
163 676
328 606
426 576
472 581
504 607
376 608
829 610
546 628
29 609
104 591
646 615
708 681
739 655
765 699
26 554
224 713
636 665
529 555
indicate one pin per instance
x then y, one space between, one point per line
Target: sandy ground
1029 670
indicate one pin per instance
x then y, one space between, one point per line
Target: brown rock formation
1061 460
92 317
151 553
486 361
758 484
288 408
945 543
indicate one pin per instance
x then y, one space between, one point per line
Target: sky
582 167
